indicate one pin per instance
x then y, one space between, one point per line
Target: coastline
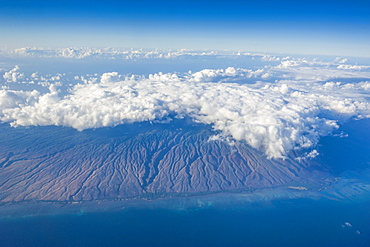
345 189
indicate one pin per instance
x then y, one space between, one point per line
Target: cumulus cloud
273 117
13 75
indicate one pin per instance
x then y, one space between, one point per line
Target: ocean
291 222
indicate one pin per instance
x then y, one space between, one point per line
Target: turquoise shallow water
294 222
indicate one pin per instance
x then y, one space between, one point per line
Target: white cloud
13 75
128 54
291 112
353 67
105 53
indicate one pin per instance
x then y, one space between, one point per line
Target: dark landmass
140 160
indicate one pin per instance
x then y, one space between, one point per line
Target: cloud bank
126 54
275 109
108 53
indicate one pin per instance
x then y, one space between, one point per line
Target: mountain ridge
139 160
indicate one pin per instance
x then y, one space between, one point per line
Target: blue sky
307 27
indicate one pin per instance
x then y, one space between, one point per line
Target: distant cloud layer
274 109
106 53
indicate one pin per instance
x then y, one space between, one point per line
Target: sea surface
292 222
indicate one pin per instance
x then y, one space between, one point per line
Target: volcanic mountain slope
135 160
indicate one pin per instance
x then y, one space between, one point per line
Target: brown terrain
136 161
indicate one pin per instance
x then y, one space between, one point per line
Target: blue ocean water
295 222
